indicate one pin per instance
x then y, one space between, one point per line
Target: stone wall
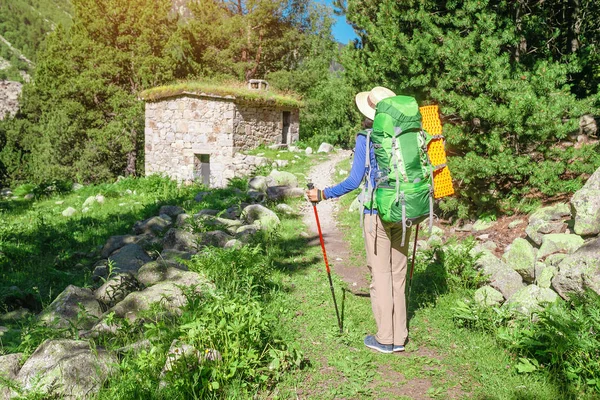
197 137
254 126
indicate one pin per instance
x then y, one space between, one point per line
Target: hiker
386 252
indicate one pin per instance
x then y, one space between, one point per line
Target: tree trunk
574 21
130 170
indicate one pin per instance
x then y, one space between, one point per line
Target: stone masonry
193 137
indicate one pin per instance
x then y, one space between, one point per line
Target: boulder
579 270
586 207
488 296
516 223
555 259
531 299
179 240
67 369
258 183
171 211
261 216
521 257
284 209
214 238
15 315
129 258
69 212
501 277
276 193
256 196
185 357
9 368
181 220
547 220
280 163
153 226
168 294
308 151
244 233
544 274
66 309
116 289
233 244
116 242
282 178
325 148
559 243
176 256
156 272
482 225
201 196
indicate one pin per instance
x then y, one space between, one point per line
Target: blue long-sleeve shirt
357 172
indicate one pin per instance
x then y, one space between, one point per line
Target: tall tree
505 88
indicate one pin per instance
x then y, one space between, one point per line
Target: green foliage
459 264
508 99
563 340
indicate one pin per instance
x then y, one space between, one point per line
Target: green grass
233 89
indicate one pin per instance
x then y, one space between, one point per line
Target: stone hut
197 132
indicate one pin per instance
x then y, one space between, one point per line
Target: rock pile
136 272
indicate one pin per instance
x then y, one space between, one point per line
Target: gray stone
585 204
116 242
116 289
434 241
153 226
501 277
579 270
256 196
465 228
182 220
9 368
175 256
489 245
69 369
531 299
276 193
168 294
280 163
171 211
15 315
156 272
488 296
325 148
261 216
284 209
180 240
555 259
136 347
69 212
207 211
129 258
74 306
547 220
282 178
544 274
214 238
29 196
233 244
258 183
559 243
89 201
244 233
521 257
77 186
481 225
308 151
516 223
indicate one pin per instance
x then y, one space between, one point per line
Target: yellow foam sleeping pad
442 180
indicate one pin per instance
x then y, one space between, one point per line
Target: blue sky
342 32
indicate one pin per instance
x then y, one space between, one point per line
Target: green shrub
565 340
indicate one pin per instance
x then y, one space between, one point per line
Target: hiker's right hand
315 195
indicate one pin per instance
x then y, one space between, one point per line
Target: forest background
512 78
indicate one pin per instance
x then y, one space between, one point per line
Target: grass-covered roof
235 90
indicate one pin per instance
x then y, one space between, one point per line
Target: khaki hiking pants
387 262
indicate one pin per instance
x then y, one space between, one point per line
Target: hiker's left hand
313 195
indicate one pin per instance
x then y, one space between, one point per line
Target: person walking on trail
386 254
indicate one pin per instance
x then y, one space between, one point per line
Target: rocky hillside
23 26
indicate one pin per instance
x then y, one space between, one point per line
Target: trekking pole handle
311 186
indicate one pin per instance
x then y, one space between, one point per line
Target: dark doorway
202 168
286 127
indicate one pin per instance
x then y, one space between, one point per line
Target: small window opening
202 168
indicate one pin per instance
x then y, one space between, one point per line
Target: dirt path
338 253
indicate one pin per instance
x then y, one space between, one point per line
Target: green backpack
403 191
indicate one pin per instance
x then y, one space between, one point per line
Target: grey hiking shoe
398 348
372 343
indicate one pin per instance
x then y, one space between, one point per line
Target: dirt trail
338 252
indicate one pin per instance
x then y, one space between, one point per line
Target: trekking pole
337 313
412 264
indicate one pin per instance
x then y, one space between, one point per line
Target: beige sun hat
366 101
